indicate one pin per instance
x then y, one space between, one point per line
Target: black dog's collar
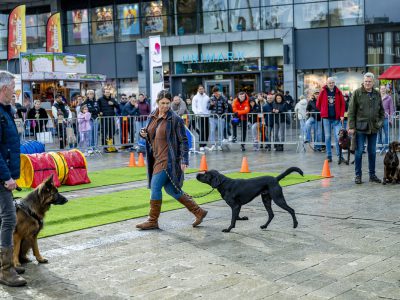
20 205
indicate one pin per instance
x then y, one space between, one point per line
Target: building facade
251 45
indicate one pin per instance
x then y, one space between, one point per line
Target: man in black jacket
218 106
107 110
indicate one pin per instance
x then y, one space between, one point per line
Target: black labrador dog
238 192
391 164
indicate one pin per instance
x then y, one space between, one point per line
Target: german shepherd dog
30 214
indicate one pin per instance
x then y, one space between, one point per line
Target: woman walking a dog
167 158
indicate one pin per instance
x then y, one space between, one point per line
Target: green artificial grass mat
104 178
118 206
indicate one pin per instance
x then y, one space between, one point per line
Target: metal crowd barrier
260 130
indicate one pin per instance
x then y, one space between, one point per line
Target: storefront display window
102 24
347 12
277 17
215 17
155 19
244 19
42 36
375 48
31 20
312 15
77 28
128 22
275 2
42 19
3 40
382 11
32 37
309 81
185 17
128 86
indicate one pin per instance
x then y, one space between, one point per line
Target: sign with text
16 32
53 34
156 68
213 57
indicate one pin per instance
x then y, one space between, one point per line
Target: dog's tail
288 171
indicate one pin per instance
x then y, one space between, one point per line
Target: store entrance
225 86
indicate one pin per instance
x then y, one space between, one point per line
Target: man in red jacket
331 104
240 107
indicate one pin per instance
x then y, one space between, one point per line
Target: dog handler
9 172
167 158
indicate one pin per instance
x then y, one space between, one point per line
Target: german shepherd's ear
49 181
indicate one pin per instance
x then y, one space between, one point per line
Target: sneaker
357 180
230 138
234 140
219 148
201 149
306 142
242 148
224 141
329 159
213 148
374 179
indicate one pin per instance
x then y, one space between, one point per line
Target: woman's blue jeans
160 180
371 149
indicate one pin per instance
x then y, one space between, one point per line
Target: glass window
3 21
154 17
42 36
78 28
30 20
275 2
347 12
128 22
247 4
312 15
42 19
307 1
277 17
245 19
102 24
247 48
215 17
32 37
77 16
186 17
3 40
382 11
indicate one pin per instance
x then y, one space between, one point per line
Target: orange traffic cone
326 172
141 160
132 162
245 166
203 164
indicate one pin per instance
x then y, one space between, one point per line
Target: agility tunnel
68 167
32 147
76 163
35 168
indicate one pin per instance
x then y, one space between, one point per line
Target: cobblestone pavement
346 246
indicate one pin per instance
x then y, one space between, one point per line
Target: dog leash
180 190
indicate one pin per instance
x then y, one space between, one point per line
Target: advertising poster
80 25
18 89
153 17
16 32
129 19
215 18
156 69
102 23
53 34
68 63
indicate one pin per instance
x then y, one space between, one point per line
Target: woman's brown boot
152 221
192 206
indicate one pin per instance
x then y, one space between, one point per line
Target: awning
392 73
43 76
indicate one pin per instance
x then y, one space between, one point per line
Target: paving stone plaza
345 247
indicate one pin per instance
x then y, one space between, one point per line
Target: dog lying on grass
238 192
31 211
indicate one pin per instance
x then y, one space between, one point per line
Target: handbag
71 138
20 125
44 137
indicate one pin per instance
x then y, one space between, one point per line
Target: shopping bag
44 137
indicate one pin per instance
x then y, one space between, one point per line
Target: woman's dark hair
279 95
164 94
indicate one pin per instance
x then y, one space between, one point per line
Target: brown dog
344 144
391 164
30 214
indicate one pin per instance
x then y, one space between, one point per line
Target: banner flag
16 32
53 34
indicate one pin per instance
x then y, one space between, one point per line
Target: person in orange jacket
240 107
